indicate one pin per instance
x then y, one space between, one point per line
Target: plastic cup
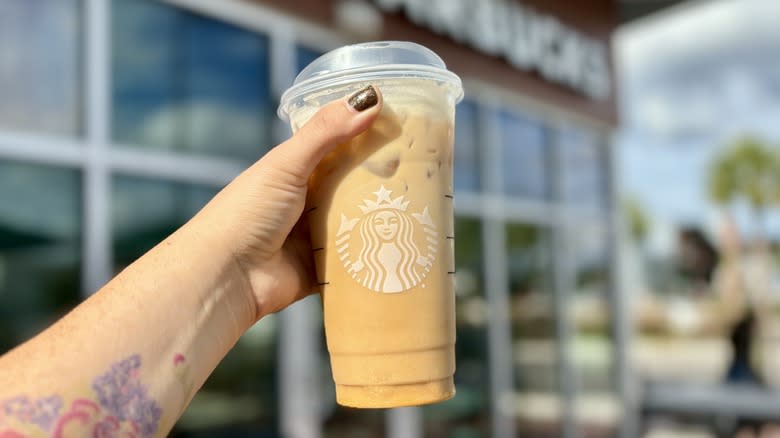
381 217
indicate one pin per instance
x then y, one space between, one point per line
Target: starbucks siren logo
386 257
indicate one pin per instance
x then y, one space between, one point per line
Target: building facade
119 119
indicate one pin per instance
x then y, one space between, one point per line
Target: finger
332 125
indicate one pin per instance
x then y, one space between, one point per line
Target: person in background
697 259
742 372
741 337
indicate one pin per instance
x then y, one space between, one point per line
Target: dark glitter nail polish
364 99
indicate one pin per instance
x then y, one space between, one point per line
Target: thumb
332 125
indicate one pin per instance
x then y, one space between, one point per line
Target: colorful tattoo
42 412
86 418
120 392
123 409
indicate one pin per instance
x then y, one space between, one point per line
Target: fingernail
364 99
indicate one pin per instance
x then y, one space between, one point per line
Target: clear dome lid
367 62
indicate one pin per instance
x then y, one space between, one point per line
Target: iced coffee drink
381 216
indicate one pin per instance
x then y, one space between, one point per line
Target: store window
524 155
537 400
40 66
144 212
583 167
466 174
184 82
597 406
40 251
240 397
468 414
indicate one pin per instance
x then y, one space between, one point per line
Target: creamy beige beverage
381 216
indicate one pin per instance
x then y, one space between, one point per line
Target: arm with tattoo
127 361
119 407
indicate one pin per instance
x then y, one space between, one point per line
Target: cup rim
367 74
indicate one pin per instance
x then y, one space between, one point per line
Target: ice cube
383 168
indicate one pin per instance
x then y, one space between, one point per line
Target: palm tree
746 170
749 170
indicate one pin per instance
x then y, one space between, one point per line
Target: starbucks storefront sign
527 39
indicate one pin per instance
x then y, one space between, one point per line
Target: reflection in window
144 212
186 82
597 407
468 414
591 260
40 51
583 169
537 406
523 156
40 258
466 167
239 398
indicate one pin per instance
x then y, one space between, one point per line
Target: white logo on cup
388 258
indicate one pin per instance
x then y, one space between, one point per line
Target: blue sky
692 78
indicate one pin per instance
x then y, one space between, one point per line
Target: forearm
131 357
157 330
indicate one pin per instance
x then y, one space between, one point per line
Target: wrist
213 260
274 265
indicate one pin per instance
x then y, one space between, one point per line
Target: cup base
395 396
